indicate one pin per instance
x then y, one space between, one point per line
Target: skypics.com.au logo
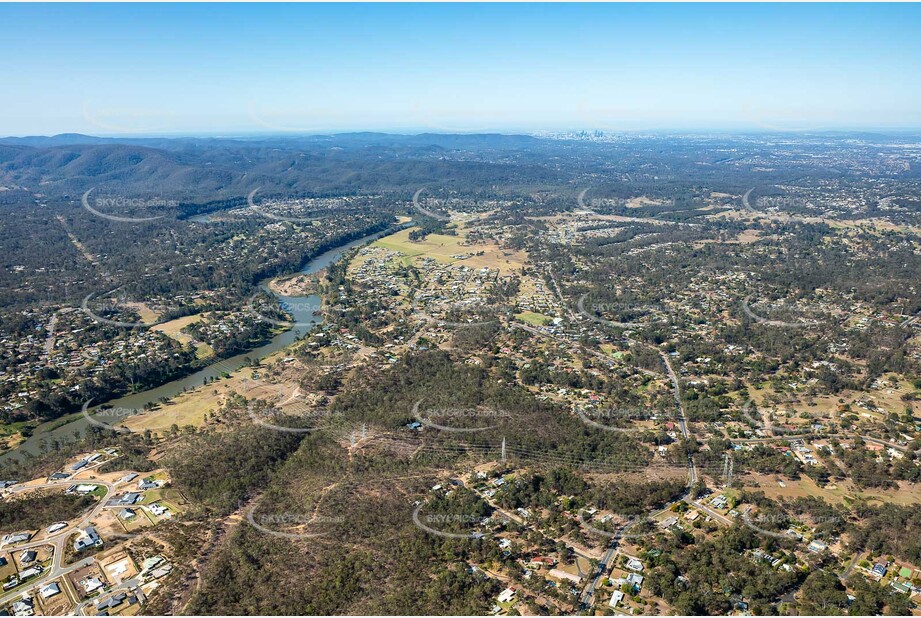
280 524
457 416
782 526
622 528
787 309
288 406
475 311
619 419
106 418
119 304
250 201
425 211
104 205
639 314
436 524
309 307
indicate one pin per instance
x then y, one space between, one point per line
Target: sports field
535 319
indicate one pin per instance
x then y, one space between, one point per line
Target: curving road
59 539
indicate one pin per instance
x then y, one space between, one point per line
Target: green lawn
535 319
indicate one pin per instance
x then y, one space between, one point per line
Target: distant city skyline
240 69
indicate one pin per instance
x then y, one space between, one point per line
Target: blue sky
241 68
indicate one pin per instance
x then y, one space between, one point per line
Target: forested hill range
214 168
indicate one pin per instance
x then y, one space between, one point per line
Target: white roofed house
23 607
158 509
16 537
49 590
816 546
145 484
636 580
56 526
91 584
564 575
635 565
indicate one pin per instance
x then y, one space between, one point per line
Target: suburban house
158 509
17 537
817 546
564 575
87 538
901 587
113 601
49 590
91 584
127 499
23 608
151 562
538 561
635 580
635 565
668 522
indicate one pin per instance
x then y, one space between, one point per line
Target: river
301 309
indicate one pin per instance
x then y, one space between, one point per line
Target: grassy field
10 434
190 407
441 248
148 315
535 319
887 398
173 329
906 494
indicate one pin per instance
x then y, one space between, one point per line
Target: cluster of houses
540 300
901 579
217 326
153 568
455 287
90 582
72 349
803 452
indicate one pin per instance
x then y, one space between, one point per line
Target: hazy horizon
537 132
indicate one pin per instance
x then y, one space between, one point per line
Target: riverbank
297 285
301 310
